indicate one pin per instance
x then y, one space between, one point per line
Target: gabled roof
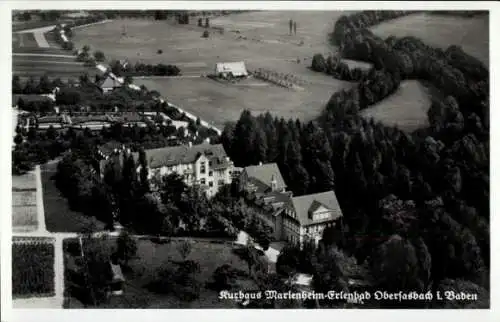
236 68
262 175
109 82
184 154
303 205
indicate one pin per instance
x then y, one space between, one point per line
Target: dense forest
416 206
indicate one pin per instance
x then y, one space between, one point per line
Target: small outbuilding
231 70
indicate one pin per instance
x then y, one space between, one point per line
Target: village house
108 84
305 217
263 185
205 165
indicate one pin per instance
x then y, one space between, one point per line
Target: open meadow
406 108
260 39
138 292
217 102
442 31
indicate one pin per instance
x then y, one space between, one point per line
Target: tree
18 139
95 268
86 49
184 249
99 56
144 171
128 80
318 63
126 247
223 277
207 22
395 266
17 87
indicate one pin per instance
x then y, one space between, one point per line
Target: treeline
141 69
64 33
347 26
31 86
335 67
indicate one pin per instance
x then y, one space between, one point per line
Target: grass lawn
151 257
407 107
58 216
219 102
32 267
442 31
26 40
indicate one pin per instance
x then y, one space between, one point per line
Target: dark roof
184 154
303 205
262 175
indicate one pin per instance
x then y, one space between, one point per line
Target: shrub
160 51
99 56
126 247
318 63
205 34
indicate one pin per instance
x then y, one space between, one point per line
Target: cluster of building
296 219
98 121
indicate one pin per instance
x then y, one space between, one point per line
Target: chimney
274 183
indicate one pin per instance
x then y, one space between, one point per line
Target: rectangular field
442 31
57 66
58 216
26 181
407 107
218 103
150 257
32 268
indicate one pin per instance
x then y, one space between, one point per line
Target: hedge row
141 69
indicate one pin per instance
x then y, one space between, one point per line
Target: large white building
204 164
294 219
305 217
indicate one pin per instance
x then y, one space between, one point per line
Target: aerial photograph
252 159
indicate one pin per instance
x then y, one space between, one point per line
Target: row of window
211 183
